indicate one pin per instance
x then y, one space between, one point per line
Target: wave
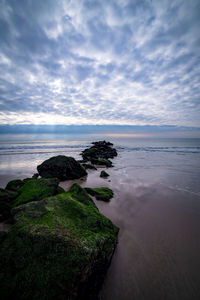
163 149
31 147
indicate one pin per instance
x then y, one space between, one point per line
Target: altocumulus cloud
100 62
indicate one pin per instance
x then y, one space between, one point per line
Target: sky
117 62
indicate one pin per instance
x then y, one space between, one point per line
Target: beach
156 205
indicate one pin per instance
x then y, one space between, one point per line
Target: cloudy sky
100 62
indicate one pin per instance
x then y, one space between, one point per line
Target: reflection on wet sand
157 256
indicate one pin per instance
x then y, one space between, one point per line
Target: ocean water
156 204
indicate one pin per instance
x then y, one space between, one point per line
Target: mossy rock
103 193
7 195
36 189
60 190
104 174
14 185
5 210
59 248
89 166
62 167
101 161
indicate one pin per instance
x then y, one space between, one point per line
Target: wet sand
157 256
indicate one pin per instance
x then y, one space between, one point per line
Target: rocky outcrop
99 150
59 248
62 167
103 193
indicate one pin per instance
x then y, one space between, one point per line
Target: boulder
62 167
59 248
7 195
104 174
37 189
103 193
14 185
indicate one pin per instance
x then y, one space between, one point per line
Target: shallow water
156 205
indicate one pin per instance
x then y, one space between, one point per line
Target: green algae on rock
104 174
7 195
14 185
103 193
62 167
101 161
59 248
37 189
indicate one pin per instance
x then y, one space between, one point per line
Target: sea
156 204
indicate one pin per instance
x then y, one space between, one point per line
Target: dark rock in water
101 162
89 166
59 248
62 167
14 185
101 149
104 174
37 189
102 143
103 193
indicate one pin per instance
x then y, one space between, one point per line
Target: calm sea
20 154
156 204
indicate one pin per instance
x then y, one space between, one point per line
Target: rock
5 210
60 190
6 199
89 166
7 195
104 174
36 175
62 167
59 248
103 193
37 189
101 162
3 235
25 180
101 149
102 144
14 185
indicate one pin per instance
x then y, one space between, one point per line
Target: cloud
100 62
